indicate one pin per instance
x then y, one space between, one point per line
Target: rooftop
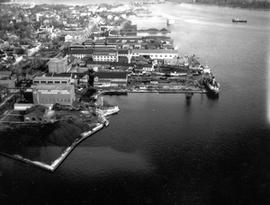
53 87
154 51
114 74
122 51
81 51
104 52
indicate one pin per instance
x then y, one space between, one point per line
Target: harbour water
162 149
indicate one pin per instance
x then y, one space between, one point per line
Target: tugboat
209 81
238 20
211 85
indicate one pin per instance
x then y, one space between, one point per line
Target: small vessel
212 86
170 21
238 20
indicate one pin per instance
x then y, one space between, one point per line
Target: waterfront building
111 79
57 65
49 94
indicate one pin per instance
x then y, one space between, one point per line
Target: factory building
105 55
64 78
58 65
45 94
111 79
54 88
156 54
80 52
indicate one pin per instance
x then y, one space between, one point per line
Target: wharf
160 91
11 119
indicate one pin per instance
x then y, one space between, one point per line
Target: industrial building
105 55
54 88
64 78
156 54
111 79
58 65
80 52
44 94
123 56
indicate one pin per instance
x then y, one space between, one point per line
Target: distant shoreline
251 6
262 6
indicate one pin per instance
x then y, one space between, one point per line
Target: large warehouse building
51 94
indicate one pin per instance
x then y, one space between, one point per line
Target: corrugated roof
114 74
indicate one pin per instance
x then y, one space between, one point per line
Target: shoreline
248 6
223 5
57 162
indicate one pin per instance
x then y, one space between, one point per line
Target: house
115 79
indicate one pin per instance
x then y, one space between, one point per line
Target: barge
238 20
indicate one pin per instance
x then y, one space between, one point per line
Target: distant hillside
3 1
262 4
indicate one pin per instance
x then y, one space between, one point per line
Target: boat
212 86
238 20
170 21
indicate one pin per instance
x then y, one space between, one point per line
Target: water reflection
105 161
43 143
212 97
268 83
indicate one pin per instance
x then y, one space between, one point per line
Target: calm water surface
161 149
